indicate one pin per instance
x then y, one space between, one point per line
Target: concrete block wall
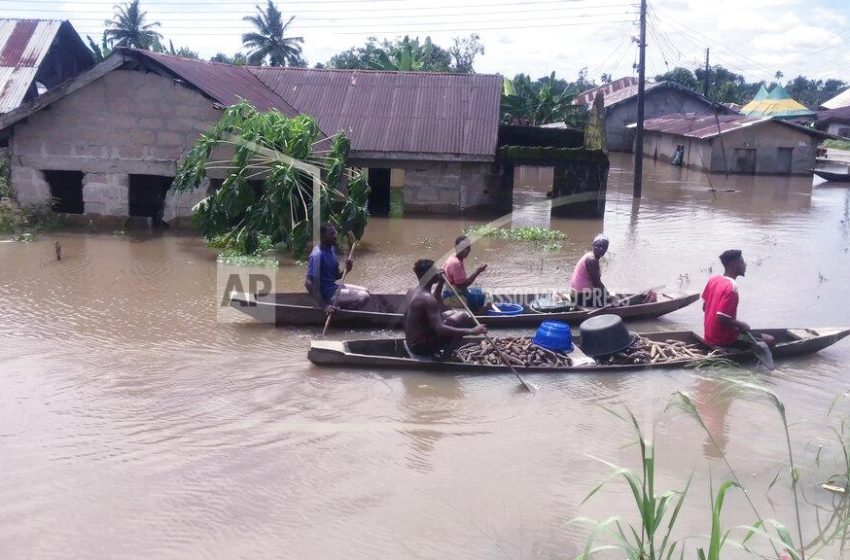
448 186
126 122
106 194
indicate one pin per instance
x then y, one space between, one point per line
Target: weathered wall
766 139
446 186
839 129
125 122
662 147
659 101
707 155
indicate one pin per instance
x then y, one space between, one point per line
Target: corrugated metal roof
225 83
23 45
409 112
586 97
840 100
693 125
699 126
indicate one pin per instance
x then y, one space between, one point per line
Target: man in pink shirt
455 273
586 282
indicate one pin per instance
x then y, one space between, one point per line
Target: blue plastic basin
555 336
506 309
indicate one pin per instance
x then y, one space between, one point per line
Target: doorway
66 190
147 196
784 157
379 193
745 160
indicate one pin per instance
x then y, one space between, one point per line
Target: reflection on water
125 406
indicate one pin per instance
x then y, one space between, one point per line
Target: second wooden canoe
385 311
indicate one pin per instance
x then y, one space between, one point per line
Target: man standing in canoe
427 331
323 272
455 272
722 327
586 282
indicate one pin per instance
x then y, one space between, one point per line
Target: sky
756 38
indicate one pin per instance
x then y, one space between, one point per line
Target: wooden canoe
391 353
385 310
832 176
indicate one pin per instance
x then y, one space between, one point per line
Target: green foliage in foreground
653 534
5 185
549 239
25 224
265 202
837 144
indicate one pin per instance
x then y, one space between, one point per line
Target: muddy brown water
132 425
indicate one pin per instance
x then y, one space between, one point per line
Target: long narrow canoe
391 353
832 176
386 310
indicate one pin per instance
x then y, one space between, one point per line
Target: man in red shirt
722 327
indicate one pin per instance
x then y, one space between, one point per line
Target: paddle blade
763 353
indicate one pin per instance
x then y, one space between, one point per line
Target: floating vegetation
547 239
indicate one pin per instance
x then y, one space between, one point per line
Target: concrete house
662 98
835 121
733 143
108 141
35 56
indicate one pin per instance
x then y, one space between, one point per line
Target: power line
407 17
433 9
400 31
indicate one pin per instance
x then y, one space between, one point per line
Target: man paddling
427 331
455 272
323 271
722 327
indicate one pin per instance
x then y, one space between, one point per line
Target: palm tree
127 28
270 39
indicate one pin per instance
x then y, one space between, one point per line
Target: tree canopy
128 27
406 54
270 41
266 198
728 87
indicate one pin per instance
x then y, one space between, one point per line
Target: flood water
133 425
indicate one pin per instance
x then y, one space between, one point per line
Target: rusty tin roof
23 45
225 83
397 112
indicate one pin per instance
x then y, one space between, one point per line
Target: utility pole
707 71
638 174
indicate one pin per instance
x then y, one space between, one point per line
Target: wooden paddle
353 242
624 302
762 352
528 386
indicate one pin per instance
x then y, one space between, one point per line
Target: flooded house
661 98
108 142
835 121
733 143
35 56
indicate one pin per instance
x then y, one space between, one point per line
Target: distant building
733 143
839 101
662 98
36 55
835 121
777 104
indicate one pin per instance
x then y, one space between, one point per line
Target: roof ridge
369 71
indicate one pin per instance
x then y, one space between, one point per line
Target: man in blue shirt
323 272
